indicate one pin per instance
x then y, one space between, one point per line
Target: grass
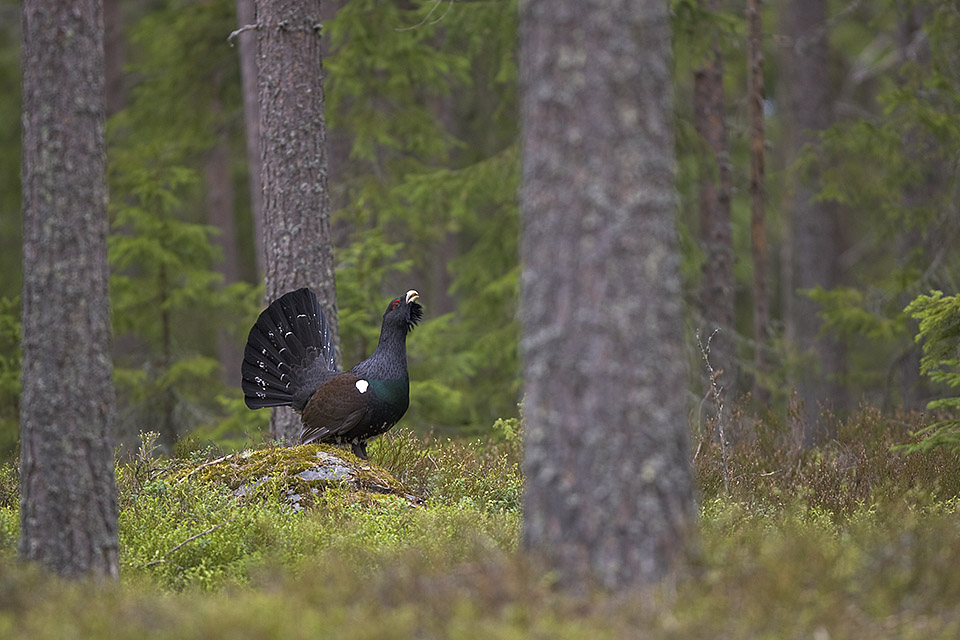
851 540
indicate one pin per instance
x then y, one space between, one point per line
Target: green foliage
234 425
9 509
939 319
890 169
389 115
9 486
11 223
165 503
847 311
869 324
877 574
164 514
183 68
850 540
691 20
484 477
860 467
164 278
169 303
9 374
414 194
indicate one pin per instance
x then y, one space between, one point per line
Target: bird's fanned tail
289 338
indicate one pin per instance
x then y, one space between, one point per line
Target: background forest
816 147
861 209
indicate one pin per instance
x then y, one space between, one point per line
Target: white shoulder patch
362 386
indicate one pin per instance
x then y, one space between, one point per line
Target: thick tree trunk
716 236
758 232
246 15
68 492
815 233
609 492
294 165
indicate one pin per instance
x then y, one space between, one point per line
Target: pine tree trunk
294 165
912 48
68 492
815 232
246 15
339 142
114 46
169 434
609 493
716 236
221 213
758 232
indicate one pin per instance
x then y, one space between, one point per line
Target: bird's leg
360 449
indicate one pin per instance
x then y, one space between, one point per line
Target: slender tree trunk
815 232
716 236
221 213
246 15
609 494
339 142
68 502
758 232
912 48
114 46
168 400
294 165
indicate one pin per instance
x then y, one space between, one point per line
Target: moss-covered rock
298 474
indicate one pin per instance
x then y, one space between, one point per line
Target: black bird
289 360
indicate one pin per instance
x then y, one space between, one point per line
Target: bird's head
404 312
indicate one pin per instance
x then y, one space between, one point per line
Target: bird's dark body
289 361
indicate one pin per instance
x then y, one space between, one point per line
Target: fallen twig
163 558
207 464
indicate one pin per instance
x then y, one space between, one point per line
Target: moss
300 474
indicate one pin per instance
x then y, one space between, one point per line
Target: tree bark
339 142
115 49
221 213
758 232
68 491
716 236
609 494
912 47
815 232
294 165
246 15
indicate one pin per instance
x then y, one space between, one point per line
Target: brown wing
336 406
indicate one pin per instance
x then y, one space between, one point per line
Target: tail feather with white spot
288 350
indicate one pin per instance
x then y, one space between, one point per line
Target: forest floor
849 540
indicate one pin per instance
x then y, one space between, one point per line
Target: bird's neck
389 359
393 349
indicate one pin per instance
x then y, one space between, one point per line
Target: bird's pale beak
412 295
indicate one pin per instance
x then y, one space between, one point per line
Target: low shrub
851 540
